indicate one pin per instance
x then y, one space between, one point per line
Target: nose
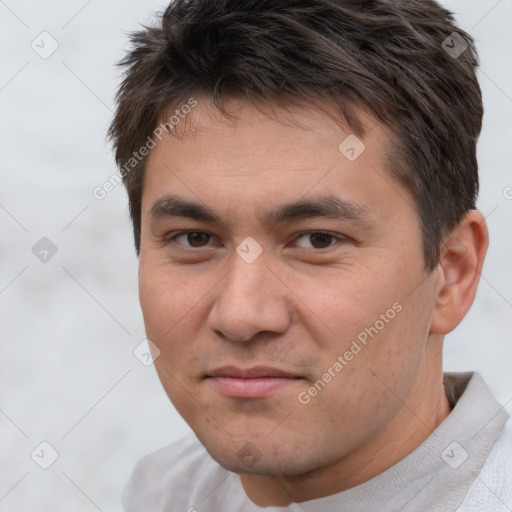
251 300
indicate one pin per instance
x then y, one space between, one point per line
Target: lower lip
258 387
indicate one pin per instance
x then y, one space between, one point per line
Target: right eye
196 239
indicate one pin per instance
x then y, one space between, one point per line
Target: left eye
319 239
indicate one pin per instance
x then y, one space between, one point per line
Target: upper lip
250 373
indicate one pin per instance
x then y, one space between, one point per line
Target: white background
68 326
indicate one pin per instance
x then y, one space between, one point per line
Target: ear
462 258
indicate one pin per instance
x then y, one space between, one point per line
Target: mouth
256 382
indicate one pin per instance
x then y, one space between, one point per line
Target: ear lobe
462 257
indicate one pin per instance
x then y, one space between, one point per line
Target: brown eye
193 238
318 239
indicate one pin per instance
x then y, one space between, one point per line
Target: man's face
252 312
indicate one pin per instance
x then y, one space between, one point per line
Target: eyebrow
323 206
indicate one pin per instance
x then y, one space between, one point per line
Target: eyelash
340 238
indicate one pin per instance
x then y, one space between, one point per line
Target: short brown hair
390 56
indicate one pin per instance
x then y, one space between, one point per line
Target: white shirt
465 465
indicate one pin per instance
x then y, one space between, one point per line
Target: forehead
271 155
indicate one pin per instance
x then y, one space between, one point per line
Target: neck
422 411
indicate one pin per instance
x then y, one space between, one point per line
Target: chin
260 458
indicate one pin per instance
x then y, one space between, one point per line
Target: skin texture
302 302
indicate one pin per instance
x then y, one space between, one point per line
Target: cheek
375 323
174 306
170 307
165 299
349 303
